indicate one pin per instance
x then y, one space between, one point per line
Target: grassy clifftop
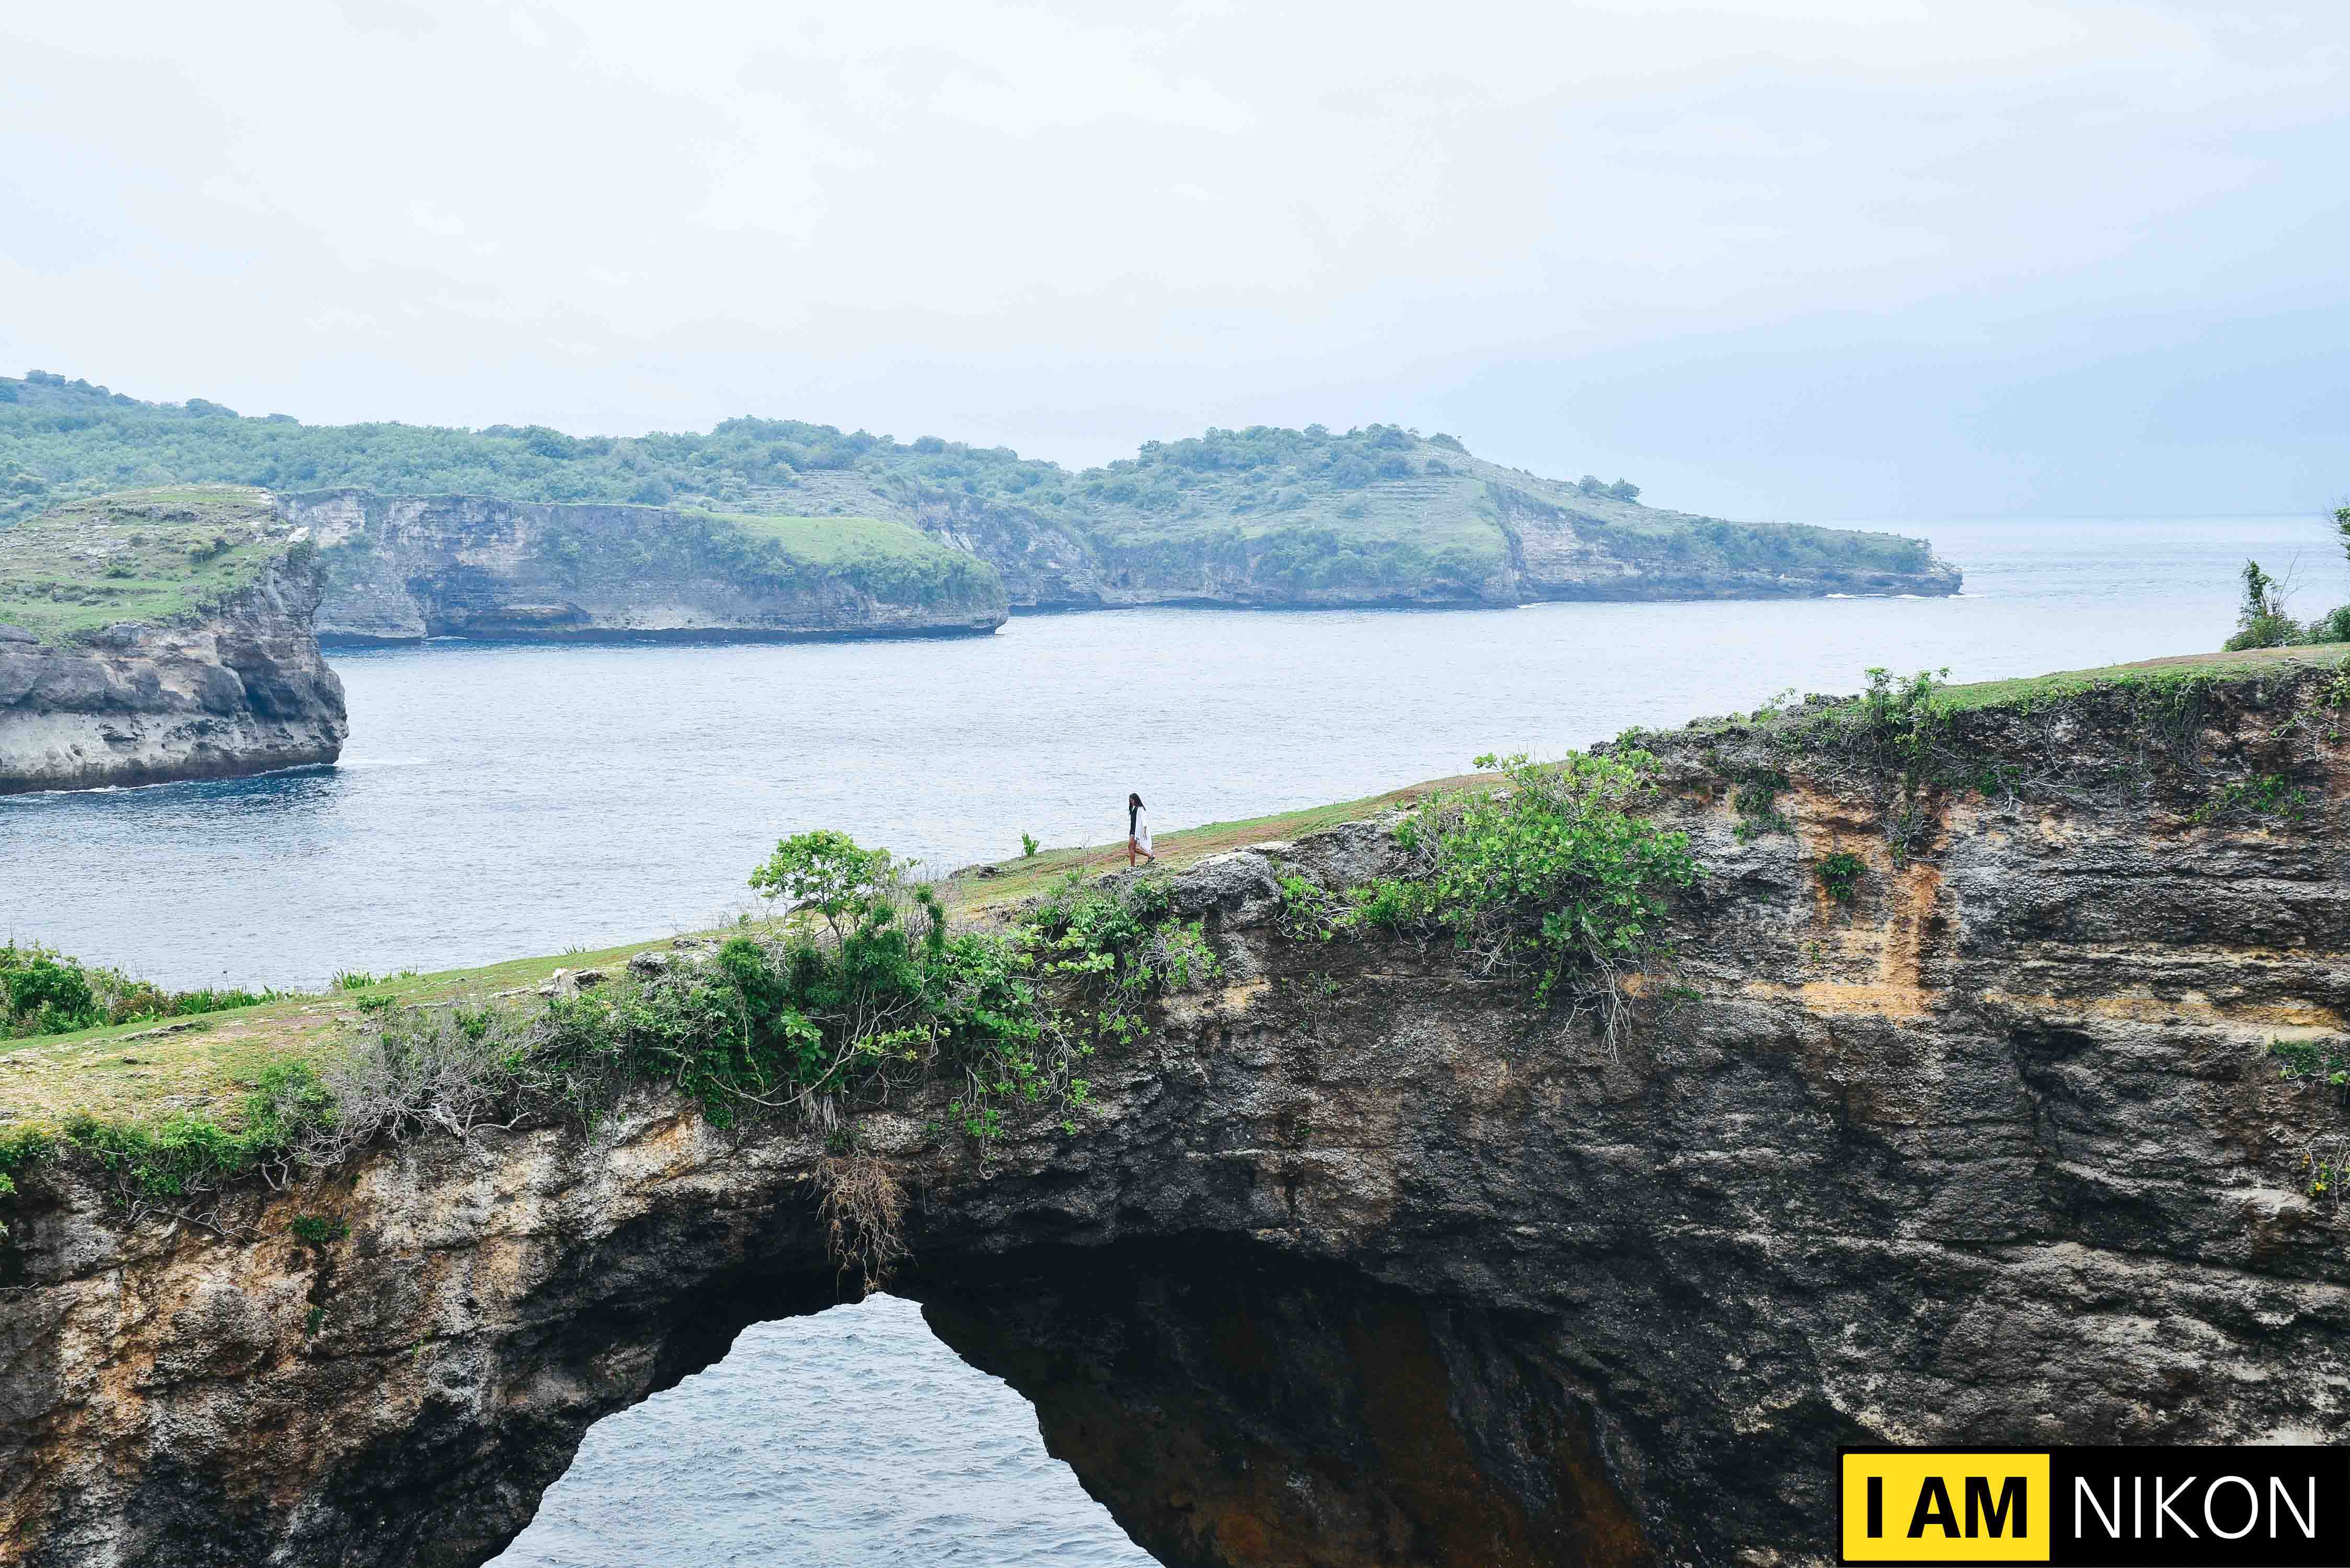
155 555
206 1064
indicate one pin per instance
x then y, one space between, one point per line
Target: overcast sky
1771 258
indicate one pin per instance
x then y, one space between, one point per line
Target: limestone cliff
1977 1137
213 673
1260 516
401 569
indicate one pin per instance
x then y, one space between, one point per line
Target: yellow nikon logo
1945 1507
2280 1506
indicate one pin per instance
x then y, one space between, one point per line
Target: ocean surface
496 801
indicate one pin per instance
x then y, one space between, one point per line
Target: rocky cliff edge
1966 1113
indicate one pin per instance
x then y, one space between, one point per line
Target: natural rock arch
1362 1260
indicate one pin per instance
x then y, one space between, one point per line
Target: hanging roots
861 1205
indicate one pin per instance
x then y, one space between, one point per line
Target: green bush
2260 620
319 1230
867 990
190 1153
1756 801
864 993
1553 877
2269 795
2326 1061
45 991
1840 873
18 1150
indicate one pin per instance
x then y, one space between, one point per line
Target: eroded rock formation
1365 1260
239 689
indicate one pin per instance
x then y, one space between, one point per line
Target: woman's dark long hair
1133 804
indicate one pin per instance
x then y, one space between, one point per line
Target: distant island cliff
160 635
400 569
174 632
163 636
1261 517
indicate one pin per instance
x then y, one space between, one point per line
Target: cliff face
1366 1260
401 569
238 687
1433 526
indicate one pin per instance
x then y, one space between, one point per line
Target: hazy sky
1774 258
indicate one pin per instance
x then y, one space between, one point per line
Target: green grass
2068 682
838 541
141 1071
126 557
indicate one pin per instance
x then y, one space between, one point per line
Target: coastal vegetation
45 991
1840 873
862 991
62 439
857 996
1548 875
864 986
2262 619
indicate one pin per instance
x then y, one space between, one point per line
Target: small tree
2260 620
826 871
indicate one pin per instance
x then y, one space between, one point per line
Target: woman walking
1137 832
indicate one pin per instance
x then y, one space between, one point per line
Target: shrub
826 871
2326 1061
1387 905
1307 912
1756 801
1028 846
18 1150
2260 620
2262 795
1553 877
1840 873
44 992
803 1021
47 993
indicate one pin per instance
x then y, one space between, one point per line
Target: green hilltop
156 555
1366 509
